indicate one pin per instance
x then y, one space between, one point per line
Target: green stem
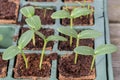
88 8
45 12
84 3
43 51
71 26
93 61
76 54
33 39
25 59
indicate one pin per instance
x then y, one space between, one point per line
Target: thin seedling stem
42 54
71 26
93 61
76 54
33 39
45 13
25 59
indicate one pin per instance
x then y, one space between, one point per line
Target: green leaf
56 38
68 31
60 14
34 22
10 53
77 12
25 38
89 34
105 49
27 11
1 37
40 35
84 50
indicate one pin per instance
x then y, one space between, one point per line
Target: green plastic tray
103 63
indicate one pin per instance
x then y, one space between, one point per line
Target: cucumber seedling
75 13
85 5
85 34
32 20
34 25
101 50
45 10
46 40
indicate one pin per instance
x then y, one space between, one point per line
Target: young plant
85 5
45 10
35 24
85 34
12 51
75 13
46 40
33 21
101 50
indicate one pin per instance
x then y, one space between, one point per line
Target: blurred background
114 20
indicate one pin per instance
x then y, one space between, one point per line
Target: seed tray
103 63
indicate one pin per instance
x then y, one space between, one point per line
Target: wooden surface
115 39
114 18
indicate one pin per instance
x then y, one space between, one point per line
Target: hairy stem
44 12
93 61
76 54
33 39
71 26
25 59
42 55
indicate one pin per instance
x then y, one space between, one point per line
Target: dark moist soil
41 0
34 70
44 19
83 20
65 45
68 69
3 64
39 41
7 10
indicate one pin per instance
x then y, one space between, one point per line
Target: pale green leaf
84 50
40 35
10 53
56 38
25 38
34 22
60 14
1 37
89 34
105 49
77 12
27 11
68 31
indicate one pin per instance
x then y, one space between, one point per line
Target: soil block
65 45
39 41
8 11
78 0
42 0
3 67
33 71
83 20
44 14
80 71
